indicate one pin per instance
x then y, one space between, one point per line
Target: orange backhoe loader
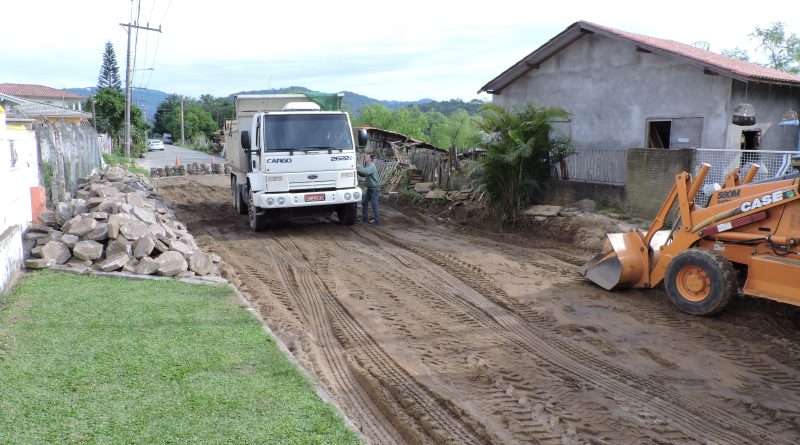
748 233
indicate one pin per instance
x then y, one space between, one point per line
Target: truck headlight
270 201
280 201
347 196
274 178
356 195
347 174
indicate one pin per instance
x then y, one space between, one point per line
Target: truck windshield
307 132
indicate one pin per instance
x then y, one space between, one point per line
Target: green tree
110 116
459 131
519 151
109 71
375 115
781 50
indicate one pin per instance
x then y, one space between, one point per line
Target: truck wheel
347 214
700 281
238 202
257 216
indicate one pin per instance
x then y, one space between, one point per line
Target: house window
678 132
658 133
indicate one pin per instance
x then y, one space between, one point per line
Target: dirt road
426 334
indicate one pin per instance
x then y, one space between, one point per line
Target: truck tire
256 215
700 281
347 214
238 201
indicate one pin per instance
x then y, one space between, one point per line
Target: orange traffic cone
177 161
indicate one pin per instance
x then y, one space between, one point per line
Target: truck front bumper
306 199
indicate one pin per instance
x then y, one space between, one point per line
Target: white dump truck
289 157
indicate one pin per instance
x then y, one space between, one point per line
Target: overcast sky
407 51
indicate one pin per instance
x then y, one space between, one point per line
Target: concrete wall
651 174
560 192
611 90
770 101
18 173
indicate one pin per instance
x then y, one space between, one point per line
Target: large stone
161 247
67 225
146 266
37 251
113 263
100 216
118 246
543 210
130 266
39 263
56 251
181 247
63 212
201 263
107 206
436 194
48 218
126 208
40 228
134 199
423 187
69 240
108 191
79 206
115 174
143 247
88 250
133 230
33 236
82 227
145 215
116 221
171 263
100 233
156 229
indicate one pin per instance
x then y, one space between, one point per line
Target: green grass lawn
107 360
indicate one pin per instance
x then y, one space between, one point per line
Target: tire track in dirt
571 360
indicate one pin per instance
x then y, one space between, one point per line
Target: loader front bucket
622 262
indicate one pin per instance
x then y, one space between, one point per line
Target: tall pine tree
109 71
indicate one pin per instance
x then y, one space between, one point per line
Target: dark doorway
751 140
658 134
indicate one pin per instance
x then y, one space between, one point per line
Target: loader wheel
700 281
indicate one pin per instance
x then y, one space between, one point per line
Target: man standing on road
370 174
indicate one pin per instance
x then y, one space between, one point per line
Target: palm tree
520 149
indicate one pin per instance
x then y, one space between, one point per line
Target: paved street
184 155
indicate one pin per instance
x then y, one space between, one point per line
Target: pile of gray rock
194 168
116 222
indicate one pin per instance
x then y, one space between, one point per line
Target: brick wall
560 192
651 174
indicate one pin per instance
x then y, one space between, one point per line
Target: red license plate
315 197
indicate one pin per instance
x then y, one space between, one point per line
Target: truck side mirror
245 140
363 138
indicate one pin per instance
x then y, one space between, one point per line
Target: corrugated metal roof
734 68
29 90
24 108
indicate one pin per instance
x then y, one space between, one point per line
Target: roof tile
29 90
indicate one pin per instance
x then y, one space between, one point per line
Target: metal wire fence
773 164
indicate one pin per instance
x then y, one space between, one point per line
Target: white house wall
611 90
15 199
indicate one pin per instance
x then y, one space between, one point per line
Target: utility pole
128 71
183 141
94 115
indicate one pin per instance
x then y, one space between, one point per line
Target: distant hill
147 100
352 101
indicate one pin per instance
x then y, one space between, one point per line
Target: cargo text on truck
289 157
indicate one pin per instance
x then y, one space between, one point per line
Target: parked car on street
155 145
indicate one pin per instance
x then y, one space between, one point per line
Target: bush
520 149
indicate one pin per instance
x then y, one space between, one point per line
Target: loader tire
700 281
